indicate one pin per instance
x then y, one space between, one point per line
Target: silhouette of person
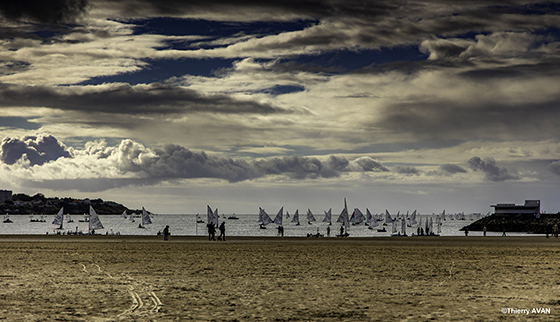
211 231
222 229
466 232
166 233
328 231
341 230
484 230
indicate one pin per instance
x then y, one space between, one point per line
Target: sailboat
343 218
295 217
124 215
310 217
59 219
69 218
7 219
86 218
357 217
328 217
94 221
264 218
146 220
279 215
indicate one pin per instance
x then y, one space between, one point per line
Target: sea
246 225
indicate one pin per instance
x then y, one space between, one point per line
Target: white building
532 207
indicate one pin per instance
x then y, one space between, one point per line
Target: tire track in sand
139 291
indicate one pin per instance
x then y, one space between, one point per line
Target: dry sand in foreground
125 278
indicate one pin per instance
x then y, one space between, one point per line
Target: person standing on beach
328 231
466 232
166 233
484 230
504 232
211 231
222 231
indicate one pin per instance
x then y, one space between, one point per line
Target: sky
175 105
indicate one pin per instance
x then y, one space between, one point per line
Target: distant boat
69 218
328 216
145 219
264 218
124 214
33 219
59 218
94 221
233 217
295 217
198 220
7 219
310 217
86 219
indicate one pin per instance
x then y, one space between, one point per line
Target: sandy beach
127 278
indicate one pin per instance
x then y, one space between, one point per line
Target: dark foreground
131 278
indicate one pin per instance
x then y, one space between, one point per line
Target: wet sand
127 278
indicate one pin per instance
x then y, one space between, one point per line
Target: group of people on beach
212 231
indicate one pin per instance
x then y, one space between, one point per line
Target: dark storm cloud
124 98
178 162
306 8
491 171
42 11
450 169
406 170
37 149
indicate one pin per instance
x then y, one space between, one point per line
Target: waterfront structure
532 207
5 195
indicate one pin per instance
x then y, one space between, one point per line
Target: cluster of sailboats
92 219
419 226
144 217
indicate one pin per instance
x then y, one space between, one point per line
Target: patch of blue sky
282 89
17 122
161 70
183 27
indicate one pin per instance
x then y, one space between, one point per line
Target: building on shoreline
531 207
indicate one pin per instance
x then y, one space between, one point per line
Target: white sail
69 218
146 220
412 220
327 216
357 217
295 217
388 218
310 217
59 218
124 214
369 216
373 223
265 217
212 216
403 227
94 222
343 218
131 217
279 215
